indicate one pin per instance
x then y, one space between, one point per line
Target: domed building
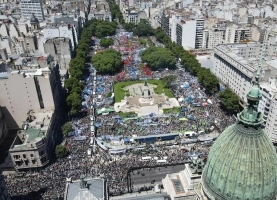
242 163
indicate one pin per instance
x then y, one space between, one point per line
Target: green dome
241 165
254 92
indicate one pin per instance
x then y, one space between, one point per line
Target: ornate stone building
242 163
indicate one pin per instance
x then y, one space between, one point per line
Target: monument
144 101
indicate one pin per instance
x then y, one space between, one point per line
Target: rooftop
95 189
33 130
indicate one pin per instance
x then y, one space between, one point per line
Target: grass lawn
119 92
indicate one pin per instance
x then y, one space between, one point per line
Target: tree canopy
67 128
61 151
169 79
107 62
98 28
143 28
189 62
106 42
104 29
229 100
158 57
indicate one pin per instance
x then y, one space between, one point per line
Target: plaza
142 99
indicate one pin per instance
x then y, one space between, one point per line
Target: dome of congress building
242 163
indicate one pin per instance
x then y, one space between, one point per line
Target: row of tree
229 99
189 62
73 85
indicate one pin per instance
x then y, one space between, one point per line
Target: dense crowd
49 183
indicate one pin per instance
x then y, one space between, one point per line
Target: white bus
146 158
91 141
89 152
161 161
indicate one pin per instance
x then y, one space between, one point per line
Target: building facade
29 7
61 49
235 66
190 33
34 144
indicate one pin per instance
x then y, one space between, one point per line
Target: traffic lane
156 174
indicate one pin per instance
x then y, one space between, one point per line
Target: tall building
29 88
190 33
242 163
4 195
29 7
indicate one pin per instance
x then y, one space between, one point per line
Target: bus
89 152
147 158
91 141
161 161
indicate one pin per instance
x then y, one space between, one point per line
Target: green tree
73 84
169 79
105 29
107 62
67 128
229 100
74 100
106 42
61 151
158 57
143 28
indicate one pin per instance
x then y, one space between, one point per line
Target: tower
242 163
34 22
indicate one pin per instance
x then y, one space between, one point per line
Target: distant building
4 195
213 37
93 189
29 7
34 145
61 49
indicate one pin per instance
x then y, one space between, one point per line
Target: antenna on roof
257 78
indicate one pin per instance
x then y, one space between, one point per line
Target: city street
154 174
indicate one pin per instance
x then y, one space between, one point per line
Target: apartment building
235 33
29 7
29 88
213 37
235 65
34 144
268 106
190 33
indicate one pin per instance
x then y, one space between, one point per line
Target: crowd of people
50 182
